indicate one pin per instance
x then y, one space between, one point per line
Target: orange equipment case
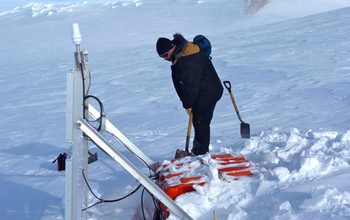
178 176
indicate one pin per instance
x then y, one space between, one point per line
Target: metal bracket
132 169
124 140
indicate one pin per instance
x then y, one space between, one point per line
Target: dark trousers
202 115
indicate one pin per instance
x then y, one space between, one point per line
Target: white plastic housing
76 34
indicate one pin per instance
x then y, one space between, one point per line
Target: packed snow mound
298 155
285 160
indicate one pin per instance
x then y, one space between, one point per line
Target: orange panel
221 156
174 191
235 162
174 174
230 169
186 180
177 164
163 177
243 173
239 159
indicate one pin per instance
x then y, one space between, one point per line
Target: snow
289 67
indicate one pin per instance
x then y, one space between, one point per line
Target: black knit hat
163 45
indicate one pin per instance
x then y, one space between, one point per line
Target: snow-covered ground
289 66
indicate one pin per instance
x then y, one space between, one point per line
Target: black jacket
194 76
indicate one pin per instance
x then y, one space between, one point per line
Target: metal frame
77 126
132 169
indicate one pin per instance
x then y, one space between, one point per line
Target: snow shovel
184 153
245 128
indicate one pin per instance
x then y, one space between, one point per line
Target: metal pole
77 160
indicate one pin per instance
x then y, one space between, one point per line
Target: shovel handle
188 137
227 84
245 128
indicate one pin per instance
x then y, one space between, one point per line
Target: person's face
167 56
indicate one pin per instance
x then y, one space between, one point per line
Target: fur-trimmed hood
183 47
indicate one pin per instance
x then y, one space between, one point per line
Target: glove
189 111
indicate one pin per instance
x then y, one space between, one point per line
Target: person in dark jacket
196 82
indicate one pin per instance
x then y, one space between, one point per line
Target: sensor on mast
76 37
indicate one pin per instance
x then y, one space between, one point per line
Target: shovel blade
245 130
179 154
182 153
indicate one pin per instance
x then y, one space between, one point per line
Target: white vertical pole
77 160
73 163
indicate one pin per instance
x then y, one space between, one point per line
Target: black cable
158 214
83 78
99 119
86 96
143 210
100 104
103 200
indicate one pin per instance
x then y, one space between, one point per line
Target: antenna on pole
76 38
